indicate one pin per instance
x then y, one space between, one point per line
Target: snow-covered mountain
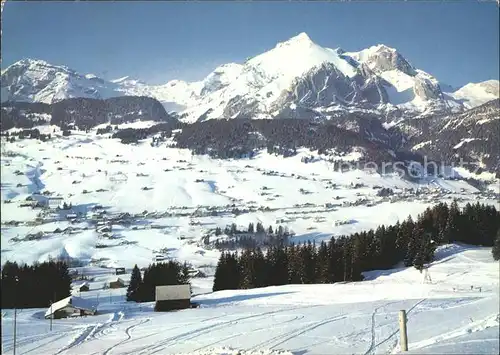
472 136
296 78
476 94
38 81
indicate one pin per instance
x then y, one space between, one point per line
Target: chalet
172 297
47 201
159 258
71 216
54 202
71 306
119 283
119 270
104 229
83 287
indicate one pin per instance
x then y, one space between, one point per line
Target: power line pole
402 330
15 312
51 316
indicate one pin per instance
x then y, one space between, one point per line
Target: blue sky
160 41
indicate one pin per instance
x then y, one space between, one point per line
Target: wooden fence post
402 330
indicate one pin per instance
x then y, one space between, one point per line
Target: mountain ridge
295 75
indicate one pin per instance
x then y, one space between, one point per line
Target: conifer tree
233 272
234 230
135 283
335 253
246 271
183 275
277 262
259 228
404 233
323 272
293 264
451 231
307 266
414 248
220 273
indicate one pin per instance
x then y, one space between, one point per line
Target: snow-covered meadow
455 311
171 195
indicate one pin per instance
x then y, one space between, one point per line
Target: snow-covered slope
476 94
454 310
181 193
295 75
472 136
38 81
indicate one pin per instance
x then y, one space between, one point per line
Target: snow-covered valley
155 199
162 201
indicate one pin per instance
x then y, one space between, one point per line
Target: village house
71 216
104 229
48 201
71 306
119 283
159 258
172 297
83 287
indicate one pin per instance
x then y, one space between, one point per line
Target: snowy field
456 312
168 190
176 198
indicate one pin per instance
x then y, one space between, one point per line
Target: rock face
426 89
321 86
384 58
472 136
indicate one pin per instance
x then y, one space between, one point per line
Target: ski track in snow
208 329
296 318
79 339
469 328
128 333
303 330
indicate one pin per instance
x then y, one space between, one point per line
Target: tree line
345 258
83 113
237 138
255 235
34 286
142 288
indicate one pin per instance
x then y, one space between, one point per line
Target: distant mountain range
296 79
